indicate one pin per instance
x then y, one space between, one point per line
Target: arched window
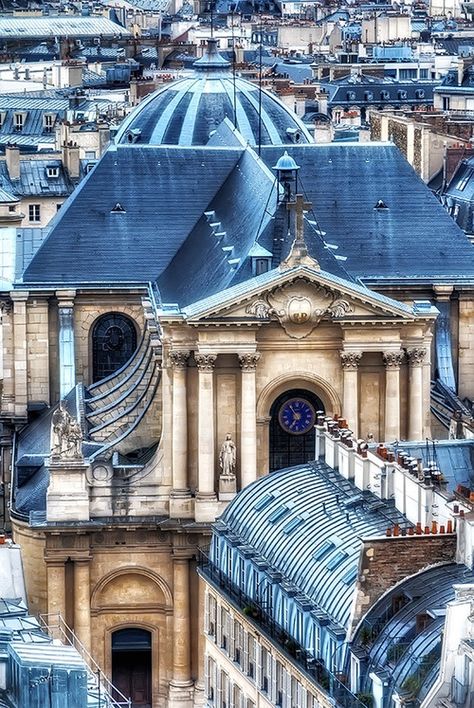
114 339
292 434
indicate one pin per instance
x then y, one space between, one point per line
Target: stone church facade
186 294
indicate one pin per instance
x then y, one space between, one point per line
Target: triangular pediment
299 299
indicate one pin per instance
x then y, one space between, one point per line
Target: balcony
258 613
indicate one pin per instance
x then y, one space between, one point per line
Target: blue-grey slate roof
414 239
455 459
164 193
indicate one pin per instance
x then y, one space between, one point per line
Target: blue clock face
297 416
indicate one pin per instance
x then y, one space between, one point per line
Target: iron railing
257 612
99 686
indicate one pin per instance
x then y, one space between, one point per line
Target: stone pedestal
227 487
67 498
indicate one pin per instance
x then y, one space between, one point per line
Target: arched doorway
114 340
292 435
131 665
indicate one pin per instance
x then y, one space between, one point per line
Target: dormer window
19 121
402 95
48 122
261 259
351 96
369 96
52 171
3 115
420 93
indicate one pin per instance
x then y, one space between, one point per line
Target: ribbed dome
187 111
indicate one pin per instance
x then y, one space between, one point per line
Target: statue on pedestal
66 435
227 457
227 460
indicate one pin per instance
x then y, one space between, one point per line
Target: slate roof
413 239
46 27
34 180
374 91
187 111
165 192
455 459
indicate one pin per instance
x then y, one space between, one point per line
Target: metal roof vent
118 209
380 205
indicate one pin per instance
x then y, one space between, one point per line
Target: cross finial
299 252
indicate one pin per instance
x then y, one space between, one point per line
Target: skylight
350 576
336 560
278 514
323 550
263 502
293 524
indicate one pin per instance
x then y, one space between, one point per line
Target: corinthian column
415 398
392 361
350 404
179 362
206 455
248 419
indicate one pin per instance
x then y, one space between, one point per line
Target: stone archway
291 430
297 380
134 597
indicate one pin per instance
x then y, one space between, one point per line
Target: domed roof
187 111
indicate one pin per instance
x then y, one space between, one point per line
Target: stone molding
179 359
416 356
205 362
350 360
248 362
393 360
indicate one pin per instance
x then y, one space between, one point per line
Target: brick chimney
12 155
71 159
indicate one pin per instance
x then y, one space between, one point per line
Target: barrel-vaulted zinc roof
315 540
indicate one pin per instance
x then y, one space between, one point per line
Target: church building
213 285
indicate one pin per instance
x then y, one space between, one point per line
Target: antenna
212 19
233 66
260 88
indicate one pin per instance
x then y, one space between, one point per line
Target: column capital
179 358
248 362
350 360
205 362
416 356
393 360
19 295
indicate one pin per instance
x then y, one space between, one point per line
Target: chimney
71 159
12 155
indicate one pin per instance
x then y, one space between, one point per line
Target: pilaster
392 361
82 608
350 406
7 402
180 502
248 419
20 364
416 358
67 363
206 499
181 685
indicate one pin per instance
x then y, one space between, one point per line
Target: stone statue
66 435
227 457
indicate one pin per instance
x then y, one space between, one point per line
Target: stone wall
384 562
